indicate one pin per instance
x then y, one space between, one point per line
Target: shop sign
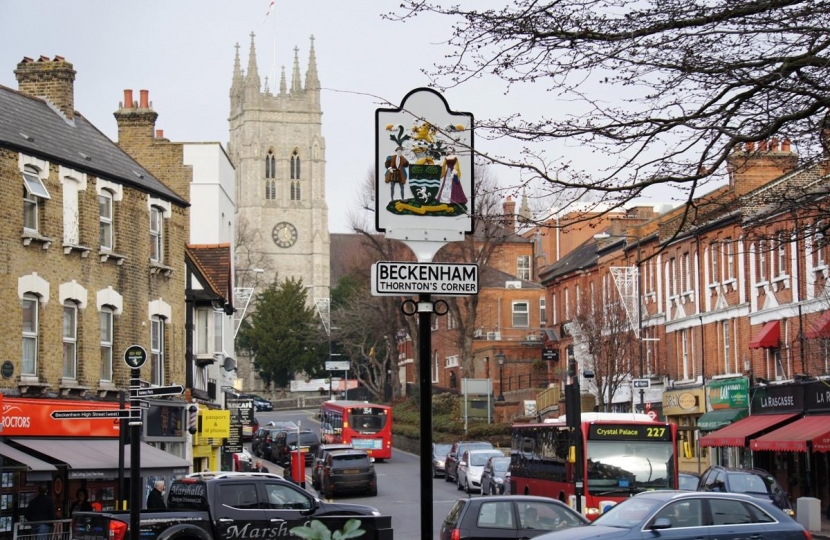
784 398
680 402
24 417
728 393
817 396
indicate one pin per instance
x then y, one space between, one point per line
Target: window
218 331
762 260
673 277
295 165
684 354
730 258
105 219
451 322
567 305
296 195
157 350
201 331
782 254
687 273
553 308
726 346
578 306
683 513
523 267
713 254
270 165
434 323
34 192
521 315
728 512
70 340
436 365
818 245
106 344
270 190
543 317
30 335
451 361
156 234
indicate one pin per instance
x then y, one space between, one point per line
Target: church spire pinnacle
237 70
283 85
252 78
311 80
296 87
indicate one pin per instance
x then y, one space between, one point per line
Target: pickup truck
232 506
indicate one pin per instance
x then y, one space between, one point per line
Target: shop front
728 402
683 407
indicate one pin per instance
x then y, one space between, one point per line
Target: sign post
135 357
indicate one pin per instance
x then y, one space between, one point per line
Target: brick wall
52 79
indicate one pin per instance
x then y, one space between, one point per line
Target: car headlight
440 463
376 513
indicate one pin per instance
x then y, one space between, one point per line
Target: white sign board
424 162
410 278
337 365
641 383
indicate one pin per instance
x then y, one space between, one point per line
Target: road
398 481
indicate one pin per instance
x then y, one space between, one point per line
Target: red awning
795 437
737 433
821 328
768 337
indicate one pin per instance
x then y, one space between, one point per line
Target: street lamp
639 300
500 360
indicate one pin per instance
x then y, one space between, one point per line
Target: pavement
825 529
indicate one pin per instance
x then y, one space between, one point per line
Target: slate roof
490 278
584 256
30 125
214 263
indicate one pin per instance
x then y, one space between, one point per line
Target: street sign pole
135 357
425 384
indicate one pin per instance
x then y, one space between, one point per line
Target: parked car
320 458
493 476
260 403
507 516
286 441
471 466
263 439
455 453
688 481
248 430
688 515
755 482
348 471
439 454
242 461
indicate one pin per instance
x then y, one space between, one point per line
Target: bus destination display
630 432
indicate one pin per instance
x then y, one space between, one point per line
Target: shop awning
795 437
98 458
767 337
36 470
736 434
717 419
821 328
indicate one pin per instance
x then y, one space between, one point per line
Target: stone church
277 147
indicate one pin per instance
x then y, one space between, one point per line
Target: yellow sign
684 401
215 424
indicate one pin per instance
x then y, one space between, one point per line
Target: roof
584 256
491 278
214 263
30 125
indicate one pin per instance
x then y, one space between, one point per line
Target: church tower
277 147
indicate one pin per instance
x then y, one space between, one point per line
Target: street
397 482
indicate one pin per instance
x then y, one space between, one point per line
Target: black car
754 482
320 458
260 403
688 515
454 456
492 477
286 442
264 438
439 454
348 471
508 516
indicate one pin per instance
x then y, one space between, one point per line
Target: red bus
624 454
366 426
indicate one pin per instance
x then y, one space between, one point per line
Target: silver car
471 466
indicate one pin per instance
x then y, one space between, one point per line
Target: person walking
81 502
259 467
41 510
155 500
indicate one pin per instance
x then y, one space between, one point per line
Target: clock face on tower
284 234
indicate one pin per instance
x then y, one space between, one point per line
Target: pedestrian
258 467
81 502
155 500
41 510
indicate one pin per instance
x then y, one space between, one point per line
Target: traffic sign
135 356
173 390
337 365
652 414
91 415
641 383
412 278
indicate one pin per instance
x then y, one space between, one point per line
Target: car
260 403
755 482
243 461
264 438
688 481
493 476
348 471
471 466
248 430
286 442
439 454
320 458
508 516
455 453
688 515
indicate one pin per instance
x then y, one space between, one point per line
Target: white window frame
34 192
107 321
673 276
436 366
567 304
451 361
201 318
684 354
434 323
714 253
29 366
105 222
553 313
725 333
218 332
687 273
543 312
70 340
156 350
730 258
781 254
762 260
517 313
156 234
578 299
523 270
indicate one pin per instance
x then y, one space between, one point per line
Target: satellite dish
230 364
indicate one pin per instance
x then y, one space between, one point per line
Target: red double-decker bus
366 426
624 454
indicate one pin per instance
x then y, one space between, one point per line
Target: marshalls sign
408 278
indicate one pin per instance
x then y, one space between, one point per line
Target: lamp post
639 299
500 360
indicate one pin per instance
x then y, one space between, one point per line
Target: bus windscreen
367 419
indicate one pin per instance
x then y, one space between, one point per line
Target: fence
60 530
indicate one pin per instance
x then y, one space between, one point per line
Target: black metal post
425 383
135 454
640 323
500 360
122 442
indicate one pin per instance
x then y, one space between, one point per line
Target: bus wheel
561 497
527 491
380 460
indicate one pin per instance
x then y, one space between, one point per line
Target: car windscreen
350 461
752 483
473 446
479 460
442 450
501 465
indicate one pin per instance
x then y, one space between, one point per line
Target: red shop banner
24 417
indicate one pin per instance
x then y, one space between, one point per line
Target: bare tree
665 89
248 259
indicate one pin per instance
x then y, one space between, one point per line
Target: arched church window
270 165
295 165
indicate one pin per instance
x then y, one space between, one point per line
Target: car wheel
328 493
373 492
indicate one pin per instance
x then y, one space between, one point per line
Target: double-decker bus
366 426
624 454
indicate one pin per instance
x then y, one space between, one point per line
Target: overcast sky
182 52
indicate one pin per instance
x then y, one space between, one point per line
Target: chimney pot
159 134
773 144
128 99
59 58
750 147
785 145
43 58
762 146
145 99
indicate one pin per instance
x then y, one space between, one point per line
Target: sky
182 51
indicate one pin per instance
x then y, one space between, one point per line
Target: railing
547 399
526 380
59 529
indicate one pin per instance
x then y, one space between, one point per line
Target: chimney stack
751 168
136 126
509 215
53 80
